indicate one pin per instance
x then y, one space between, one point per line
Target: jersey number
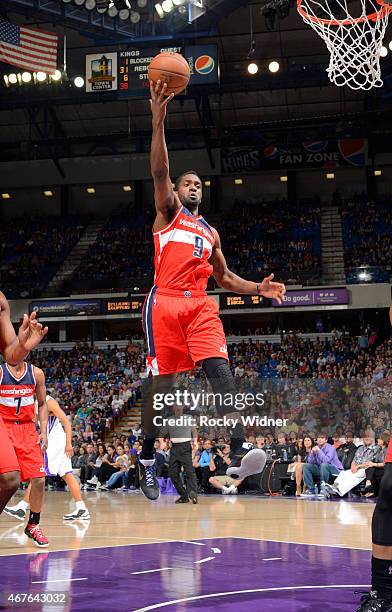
198 252
18 403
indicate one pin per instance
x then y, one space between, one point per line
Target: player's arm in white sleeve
166 202
54 408
43 414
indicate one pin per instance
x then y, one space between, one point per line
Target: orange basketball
170 68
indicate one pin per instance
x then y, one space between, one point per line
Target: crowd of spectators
367 237
31 251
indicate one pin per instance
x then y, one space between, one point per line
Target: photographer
221 459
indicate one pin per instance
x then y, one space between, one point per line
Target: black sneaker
371 602
182 500
193 497
149 484
19 514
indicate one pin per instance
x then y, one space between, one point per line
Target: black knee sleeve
382 516
221 380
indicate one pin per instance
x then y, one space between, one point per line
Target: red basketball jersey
388 458
182 251
17 394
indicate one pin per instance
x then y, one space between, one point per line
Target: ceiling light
41 76
124 14
238 181
330 176
90 5
159 10
377 173
6 196
26 77
113 11
142 3
135 17
56 76
390 46
167 6
178 2
253 68
6 81
207 183
384 51
273 66
90 190
283 179
79 2
79 81
127 188
13 79
48 193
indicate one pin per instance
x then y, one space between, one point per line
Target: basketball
170 68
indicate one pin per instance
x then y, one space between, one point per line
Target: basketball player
181 324
14 348
57 461
19 384
380 597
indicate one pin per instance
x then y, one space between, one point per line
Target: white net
354 42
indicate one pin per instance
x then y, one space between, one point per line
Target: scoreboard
231 301
133 67
131 305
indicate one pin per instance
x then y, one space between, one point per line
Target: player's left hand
31 332
43 441
69 451
271 289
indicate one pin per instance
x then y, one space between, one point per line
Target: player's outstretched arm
43 413
230 281
54 408
166 203
15 348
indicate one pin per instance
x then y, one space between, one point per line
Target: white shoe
233 490
76 515
16 512
93 481
225 490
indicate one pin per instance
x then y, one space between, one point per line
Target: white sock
80 505
23 505
147 462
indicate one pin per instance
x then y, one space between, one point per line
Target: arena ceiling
297 102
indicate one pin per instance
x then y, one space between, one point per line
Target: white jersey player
57 462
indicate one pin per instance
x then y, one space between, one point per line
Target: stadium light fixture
90 190
384 51
142 3
56 76
238 181
274 66
6 196
390 46
253 68
207 183
167 6
26 77
79 3
377 173
178 2
330 176
127 188
13 79
48 193
6 80
159 10
41 76
79 81
135 17
90 5
283 179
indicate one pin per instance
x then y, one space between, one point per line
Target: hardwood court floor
119 519
226 554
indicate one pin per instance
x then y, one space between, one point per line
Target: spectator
323 462
219 462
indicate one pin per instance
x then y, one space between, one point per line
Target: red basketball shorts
19 450
182 328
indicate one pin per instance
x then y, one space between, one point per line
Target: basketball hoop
353 42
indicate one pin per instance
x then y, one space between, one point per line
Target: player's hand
43 441
159 101
69 451
31 332
269 288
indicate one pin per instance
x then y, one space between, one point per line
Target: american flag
27 48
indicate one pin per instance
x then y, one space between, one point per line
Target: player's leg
81 511
9 468
20 509
380 597
175 474
32 468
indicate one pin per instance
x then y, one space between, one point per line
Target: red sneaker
35 533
